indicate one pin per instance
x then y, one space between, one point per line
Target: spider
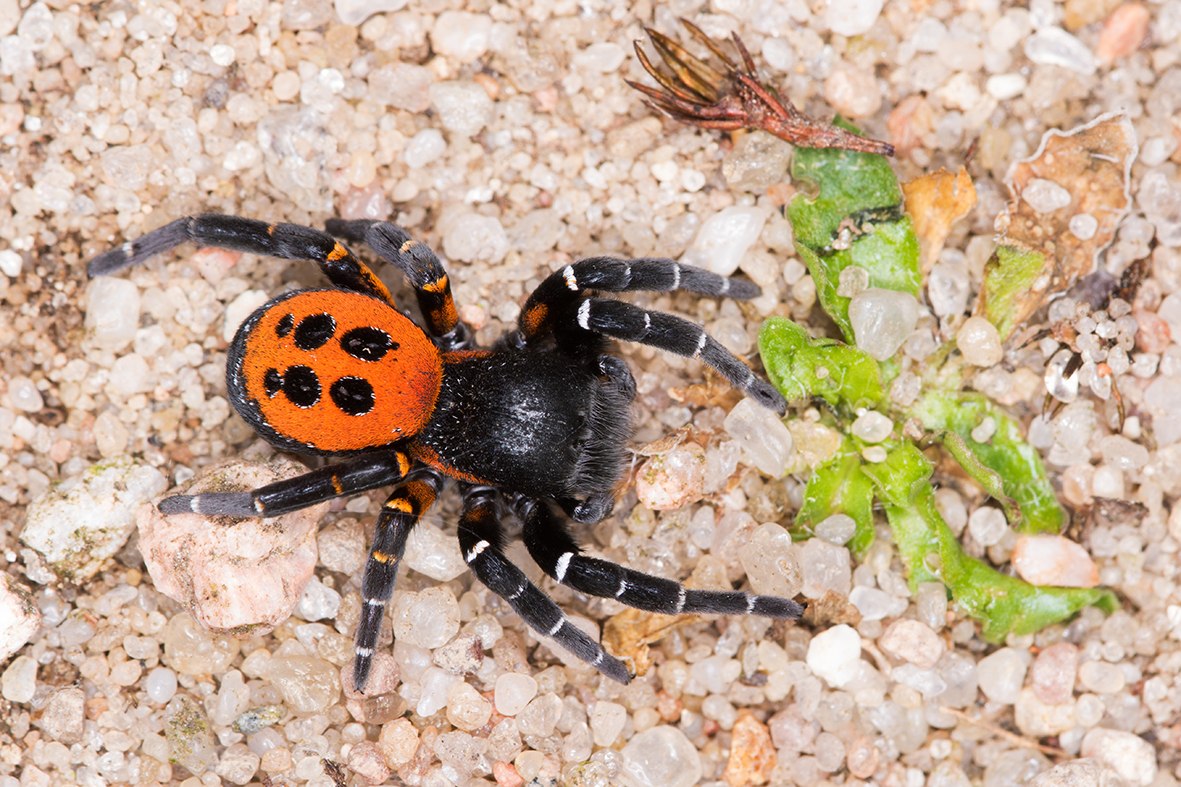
534 426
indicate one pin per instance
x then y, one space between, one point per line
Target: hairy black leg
421 268
400 513
624 321
563 288
292 494
481 540
549 542
287 241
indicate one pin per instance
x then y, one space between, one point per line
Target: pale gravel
115 118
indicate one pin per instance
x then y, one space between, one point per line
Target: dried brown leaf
935 202
1092 164
628 635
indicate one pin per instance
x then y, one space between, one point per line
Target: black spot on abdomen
272 382
301 386
367 343
284 325
353 395
314 331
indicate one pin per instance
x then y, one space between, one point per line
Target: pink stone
241 576
1054 560
1053 673
1123 32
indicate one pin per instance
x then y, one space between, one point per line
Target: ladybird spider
539 419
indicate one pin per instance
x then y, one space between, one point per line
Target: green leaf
839 487
1009 294
803 368
1006 454
856 219
848 184
889 255
929 550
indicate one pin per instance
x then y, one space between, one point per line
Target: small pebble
461 36
63 716
872 426
835 655
672 479
752 754
979 342
725 238
882 320
765 440
354 12
233 573
1045 196
19 616
1053 672
427 619
852 17
1123 32
85 520
1001 675
606 722
19 680
912 642
1129 755
987 525
513 692
1053 560
661 757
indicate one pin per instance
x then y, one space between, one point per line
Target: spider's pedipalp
624 321
553 548
480 542
399 514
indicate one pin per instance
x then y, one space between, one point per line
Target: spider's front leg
422 269
292 494
481 540
286 241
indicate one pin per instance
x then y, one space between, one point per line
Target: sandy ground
505 137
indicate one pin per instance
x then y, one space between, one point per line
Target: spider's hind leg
399 514
481 540
549 542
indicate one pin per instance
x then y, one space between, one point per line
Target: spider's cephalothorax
536 423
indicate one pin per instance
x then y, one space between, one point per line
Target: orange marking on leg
270 229
534 318
382 557
407 246
337 486
437 286
403 463
400 504
338 251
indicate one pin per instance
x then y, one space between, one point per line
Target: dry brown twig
732 97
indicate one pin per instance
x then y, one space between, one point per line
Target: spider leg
631 323
563 289
400 513
481 540
287 241
552 547
292 494
422 269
